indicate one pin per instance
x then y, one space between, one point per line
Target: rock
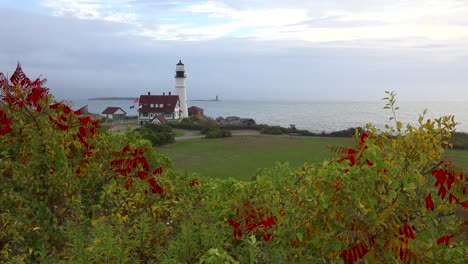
235 121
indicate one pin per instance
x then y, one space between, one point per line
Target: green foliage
272 130
72 192
345 133
157 134
217 133
459 140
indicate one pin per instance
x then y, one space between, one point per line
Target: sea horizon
315 116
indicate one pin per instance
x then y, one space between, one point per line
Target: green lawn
460 157
241 156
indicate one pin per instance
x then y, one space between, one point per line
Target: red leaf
370 163
157 189
269 221
234 223
440 240
445 239
81 111
440 176
157 171
267 237
452 198
193 182
411 232
5 130
442 192
126 148
142 174
429 202
66 109
237 232
128 183
465 204
85 120
55 106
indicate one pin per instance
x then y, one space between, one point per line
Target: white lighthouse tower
180 88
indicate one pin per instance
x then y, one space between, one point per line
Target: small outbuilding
195 111
159 119
114 113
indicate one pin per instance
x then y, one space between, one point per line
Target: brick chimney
164 94
149 93
169 93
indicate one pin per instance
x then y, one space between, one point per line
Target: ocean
312 116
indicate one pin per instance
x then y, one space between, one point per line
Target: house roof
111 110
161 119
195 108
169 103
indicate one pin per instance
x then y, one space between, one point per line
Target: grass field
460 157
241 156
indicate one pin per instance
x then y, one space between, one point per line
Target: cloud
243 51
339 21
92 9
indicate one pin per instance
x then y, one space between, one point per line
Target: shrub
157 134
459 140
72 192
217 133
350 132
273 130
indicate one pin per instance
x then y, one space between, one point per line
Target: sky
340 50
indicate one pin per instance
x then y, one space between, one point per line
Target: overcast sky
241 49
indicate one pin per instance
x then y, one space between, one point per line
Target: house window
145 114
151 115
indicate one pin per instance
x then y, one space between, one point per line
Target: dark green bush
459 140
217 133
158 134
273 130
345 133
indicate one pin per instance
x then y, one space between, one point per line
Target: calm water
313 116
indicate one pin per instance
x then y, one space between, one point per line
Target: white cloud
90 9
350 23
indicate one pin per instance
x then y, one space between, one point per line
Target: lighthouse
180 88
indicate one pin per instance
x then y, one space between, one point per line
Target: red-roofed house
114 113
151 106
195 111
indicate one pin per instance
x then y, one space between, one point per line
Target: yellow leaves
154 210
36 228
399 126
122 218
411 186
30 250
